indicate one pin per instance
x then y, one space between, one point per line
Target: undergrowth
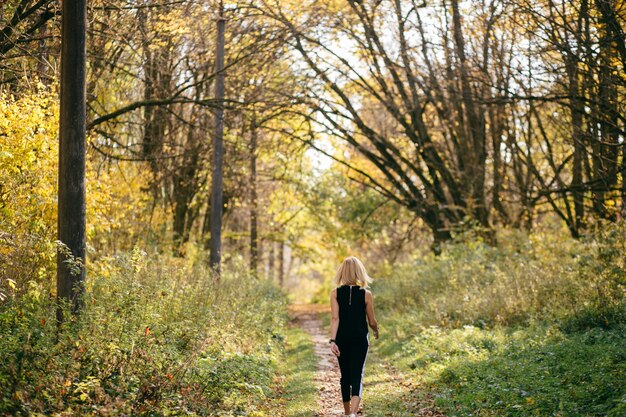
537 370
535 326
157 336
544 276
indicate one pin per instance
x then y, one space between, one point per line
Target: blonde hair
352 272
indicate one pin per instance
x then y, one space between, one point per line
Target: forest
180 180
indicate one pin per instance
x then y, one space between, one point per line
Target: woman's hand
335 349
374 326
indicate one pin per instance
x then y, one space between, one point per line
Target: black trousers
352 354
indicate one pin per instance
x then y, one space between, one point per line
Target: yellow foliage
116 202
28 161
118 208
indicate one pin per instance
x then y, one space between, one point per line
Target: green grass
534 371
299 396
384 392
533 327
545 374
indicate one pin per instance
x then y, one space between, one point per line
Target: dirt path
327 376
391 393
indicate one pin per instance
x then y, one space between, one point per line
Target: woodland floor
386 390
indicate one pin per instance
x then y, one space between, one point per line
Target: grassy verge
533 327
297 394
384 392
538 370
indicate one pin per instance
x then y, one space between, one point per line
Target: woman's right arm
369 310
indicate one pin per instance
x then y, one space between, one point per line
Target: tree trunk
71 198
270 261
474 131
622 170
289 263
609 17
185 187
579 150
441 234
206 227
157 83
254 203
218 150
43 54
181 222
281 263
609 131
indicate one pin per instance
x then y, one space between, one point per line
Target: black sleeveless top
352 317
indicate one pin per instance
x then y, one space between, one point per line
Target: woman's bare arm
334 320
369 310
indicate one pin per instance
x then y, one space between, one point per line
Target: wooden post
254 203
71 199
218 150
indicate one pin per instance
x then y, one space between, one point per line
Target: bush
543 276
28 195
533 326
28 158
157 336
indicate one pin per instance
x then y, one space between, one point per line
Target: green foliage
525 278
534 326
156 337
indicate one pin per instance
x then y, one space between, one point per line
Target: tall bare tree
218 149
71 205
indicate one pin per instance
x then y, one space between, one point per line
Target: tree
434 162
72 131
22 27
254 199
218 149
576 162
469 113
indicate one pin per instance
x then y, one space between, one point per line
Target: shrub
28 158
525 278
157 336
28 200
533 326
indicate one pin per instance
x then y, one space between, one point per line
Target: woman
351 305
